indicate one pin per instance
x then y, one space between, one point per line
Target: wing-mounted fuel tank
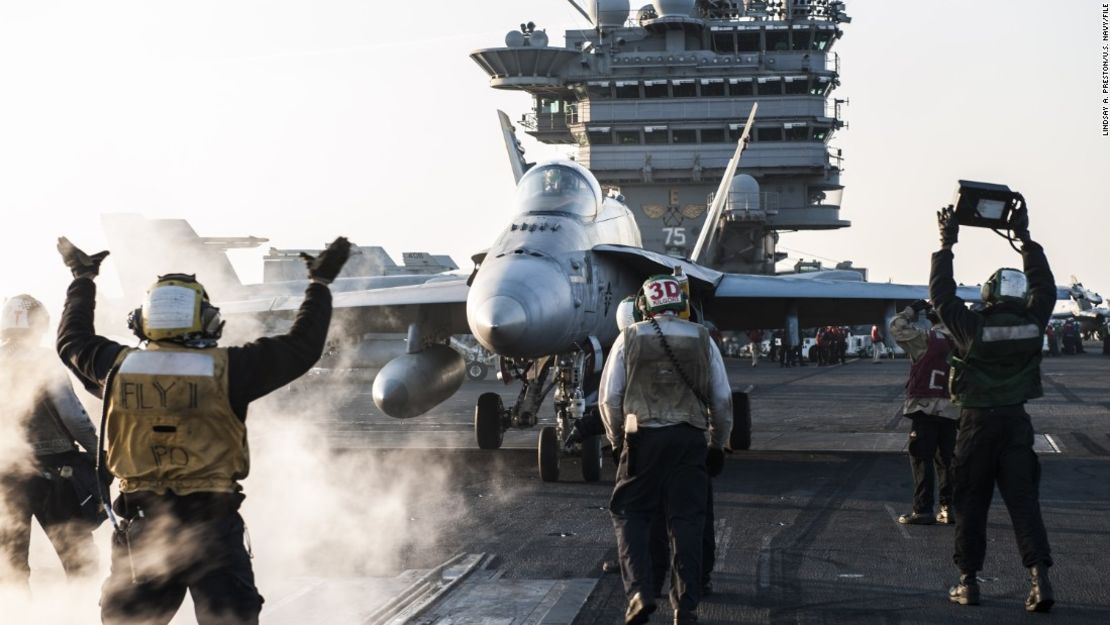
414 383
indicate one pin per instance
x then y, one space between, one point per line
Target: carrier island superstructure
655 99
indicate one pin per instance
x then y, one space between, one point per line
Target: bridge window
822 39
747 41
600 136
599 90
684 135
628 137
628 90
724 43
768 134
684 89
712 135
777 40
654 135
741 88
796 132
655 88
769 86
798 86
800 39
712 87
820 133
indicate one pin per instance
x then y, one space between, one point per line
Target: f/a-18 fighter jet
1084 307
543 296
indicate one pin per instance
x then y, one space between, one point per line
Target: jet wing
438 306
751 301
745 301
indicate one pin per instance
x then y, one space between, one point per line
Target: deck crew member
996 368
663 386
933 435
53 481
174 432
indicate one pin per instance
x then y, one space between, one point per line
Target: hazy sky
300 121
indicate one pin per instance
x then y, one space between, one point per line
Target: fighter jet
1083 307
543 296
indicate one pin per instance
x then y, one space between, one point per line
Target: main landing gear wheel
548 454
476 371
591 458
487 421
741 437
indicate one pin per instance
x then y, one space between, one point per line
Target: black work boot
917 518
682 617
639 610
1040 597
966 592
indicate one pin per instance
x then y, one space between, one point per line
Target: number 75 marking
675 236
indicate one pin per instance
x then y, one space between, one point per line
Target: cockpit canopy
563 187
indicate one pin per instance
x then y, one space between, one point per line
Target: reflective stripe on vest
1002 365
170 424
1011 333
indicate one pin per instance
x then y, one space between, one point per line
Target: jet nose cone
522 307
500 321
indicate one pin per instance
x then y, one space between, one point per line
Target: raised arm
269 363
961 322
89 356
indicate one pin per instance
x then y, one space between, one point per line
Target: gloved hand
616 451
325 266
1019 224
949 227
715 461
81 264
920 305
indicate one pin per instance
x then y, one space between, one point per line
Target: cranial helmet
1005 285
627 313
662 293
22 316
176 309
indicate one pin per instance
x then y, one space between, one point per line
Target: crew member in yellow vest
663 387
174 434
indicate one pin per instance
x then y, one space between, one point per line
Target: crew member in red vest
933 436
876 344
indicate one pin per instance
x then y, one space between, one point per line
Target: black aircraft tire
476 371
592 458
487 421
548 454
741 437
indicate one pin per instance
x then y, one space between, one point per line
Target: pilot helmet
1005 285
662 294
176 309
23 317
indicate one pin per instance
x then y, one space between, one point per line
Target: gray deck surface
806 529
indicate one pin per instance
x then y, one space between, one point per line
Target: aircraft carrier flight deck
805 521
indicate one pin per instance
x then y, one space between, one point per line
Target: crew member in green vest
996 368
174 434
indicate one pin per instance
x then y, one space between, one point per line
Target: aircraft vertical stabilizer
146 248
707 238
